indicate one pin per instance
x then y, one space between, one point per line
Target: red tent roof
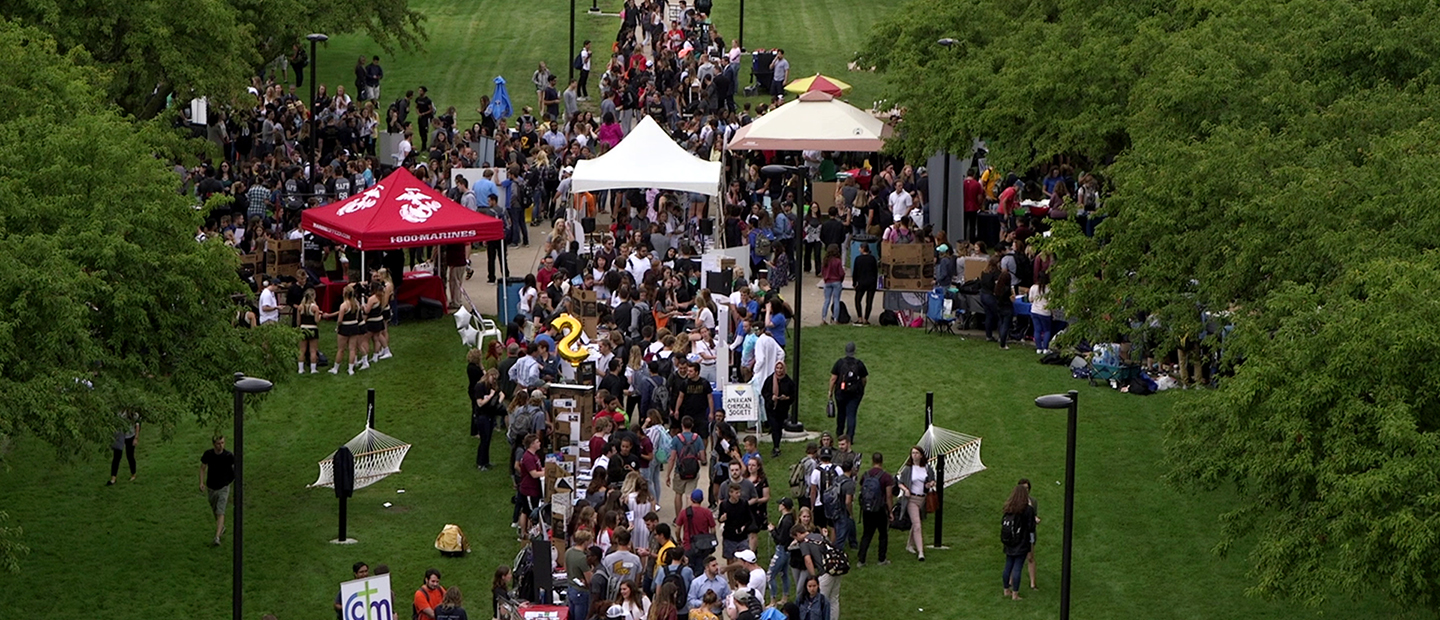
400 212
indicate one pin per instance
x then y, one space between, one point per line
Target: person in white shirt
758 576
900 203
639 264
403 151
269 307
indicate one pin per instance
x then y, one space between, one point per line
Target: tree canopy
1270 160
153 48
110 304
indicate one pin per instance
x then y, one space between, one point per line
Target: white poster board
742 403
367 599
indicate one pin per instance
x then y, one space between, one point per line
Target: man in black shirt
217 471
832 230
552 100
735 516
864 272
695 398
569 260
425 110
847 386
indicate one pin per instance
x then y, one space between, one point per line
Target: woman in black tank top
349 331
307 318
380 330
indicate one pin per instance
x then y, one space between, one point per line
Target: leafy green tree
155 48
1269 168
110 304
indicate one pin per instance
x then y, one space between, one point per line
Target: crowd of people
739 545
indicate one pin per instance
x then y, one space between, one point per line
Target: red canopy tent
400 212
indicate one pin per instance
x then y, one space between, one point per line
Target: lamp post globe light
243 385
1067 401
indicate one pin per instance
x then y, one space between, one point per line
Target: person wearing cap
759 579
695 519
615 611
944 268
847 387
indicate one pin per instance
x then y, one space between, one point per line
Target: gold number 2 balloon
569 345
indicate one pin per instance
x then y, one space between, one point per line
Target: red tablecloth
416 284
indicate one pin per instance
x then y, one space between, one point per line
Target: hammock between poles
376 455
962 453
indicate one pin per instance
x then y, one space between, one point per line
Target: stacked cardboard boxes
907 266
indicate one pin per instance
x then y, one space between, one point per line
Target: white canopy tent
647 158
815 121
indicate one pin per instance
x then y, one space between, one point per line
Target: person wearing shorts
217 471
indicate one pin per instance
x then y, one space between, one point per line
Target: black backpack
889 318
681 588
850 380
830 492
1012 530
643 318
579 62
843 316
688 465
1024 270
872 493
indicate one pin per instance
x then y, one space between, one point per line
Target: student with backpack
687 458
840 509
675 574
847 387
824 489
1015 527
877 497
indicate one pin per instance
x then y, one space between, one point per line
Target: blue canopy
500 102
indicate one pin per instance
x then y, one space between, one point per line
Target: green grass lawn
141 550
472 42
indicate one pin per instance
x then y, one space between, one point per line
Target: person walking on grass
217 471
1015 527
876 501
847 387
126 436
916 479
1034 509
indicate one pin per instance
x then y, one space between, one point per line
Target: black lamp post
243 385
595 7
1065 401
314 114
777 171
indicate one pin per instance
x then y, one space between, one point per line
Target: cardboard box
824 193
893 284
906 253
972 267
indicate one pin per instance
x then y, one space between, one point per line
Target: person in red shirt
696 519
602 435
429 596
974 195
1010 203
611 412
546 273
531 471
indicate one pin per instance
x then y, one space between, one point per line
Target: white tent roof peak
647 157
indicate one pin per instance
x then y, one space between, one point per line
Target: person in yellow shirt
706 611
663 540
990 180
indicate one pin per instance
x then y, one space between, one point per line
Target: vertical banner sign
742 403
367 599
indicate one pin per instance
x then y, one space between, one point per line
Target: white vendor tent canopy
816 121
647 158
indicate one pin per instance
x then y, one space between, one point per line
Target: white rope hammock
962 453
376 455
